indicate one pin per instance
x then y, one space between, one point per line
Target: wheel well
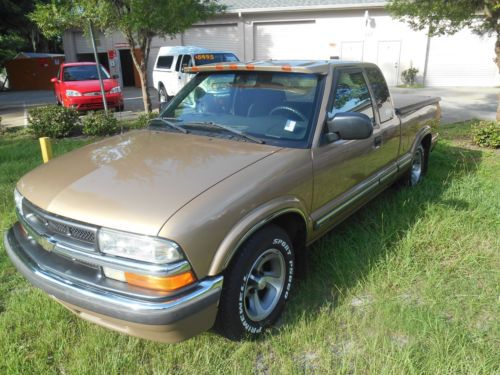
426 143
295 226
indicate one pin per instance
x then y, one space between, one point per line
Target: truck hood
136 181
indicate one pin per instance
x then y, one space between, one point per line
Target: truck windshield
211 58
83 73
275 107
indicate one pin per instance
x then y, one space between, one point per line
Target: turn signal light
164 284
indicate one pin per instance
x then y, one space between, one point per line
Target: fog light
114 274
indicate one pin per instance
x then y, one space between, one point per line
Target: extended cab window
381 94
352 95
164 62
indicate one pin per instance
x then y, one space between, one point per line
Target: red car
77 86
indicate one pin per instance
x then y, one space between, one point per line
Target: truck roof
297 66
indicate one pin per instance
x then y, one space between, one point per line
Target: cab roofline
295 66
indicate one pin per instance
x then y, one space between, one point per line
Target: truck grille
68 231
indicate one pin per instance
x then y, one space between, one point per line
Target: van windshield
278 108
211 58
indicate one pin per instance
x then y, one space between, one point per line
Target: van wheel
256 285
162 94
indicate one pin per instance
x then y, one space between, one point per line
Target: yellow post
46 147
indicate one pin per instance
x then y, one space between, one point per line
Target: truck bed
405 103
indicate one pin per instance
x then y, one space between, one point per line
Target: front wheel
257 284
162 94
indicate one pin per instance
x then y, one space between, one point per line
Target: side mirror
53 80
349 126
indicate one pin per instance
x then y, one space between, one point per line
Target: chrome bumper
160 310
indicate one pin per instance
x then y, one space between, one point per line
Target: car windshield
275 107
83 73
211 58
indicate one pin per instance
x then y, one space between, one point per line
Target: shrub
143 119
99 123
52 121
486 134
409 75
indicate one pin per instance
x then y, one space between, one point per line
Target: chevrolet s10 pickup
202 219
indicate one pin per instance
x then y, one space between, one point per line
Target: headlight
133 246
73 93
18 198
115 90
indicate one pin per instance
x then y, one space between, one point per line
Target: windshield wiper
171 124
226 128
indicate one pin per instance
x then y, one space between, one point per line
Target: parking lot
457 103
14 105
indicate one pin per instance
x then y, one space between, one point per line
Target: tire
417 168
256 284
162 94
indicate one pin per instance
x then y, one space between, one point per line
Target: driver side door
344 169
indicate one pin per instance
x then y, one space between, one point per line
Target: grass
409 284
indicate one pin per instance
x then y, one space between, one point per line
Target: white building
316 29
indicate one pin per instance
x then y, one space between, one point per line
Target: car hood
136 181
90 86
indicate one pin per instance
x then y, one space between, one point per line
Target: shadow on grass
346 255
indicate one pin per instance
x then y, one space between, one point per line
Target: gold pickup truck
202 219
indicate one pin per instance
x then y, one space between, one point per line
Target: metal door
388 60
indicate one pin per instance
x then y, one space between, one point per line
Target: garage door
463 59
286 40
215 37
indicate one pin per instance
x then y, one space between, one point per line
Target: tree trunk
142 67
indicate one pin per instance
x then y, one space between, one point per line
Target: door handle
377 142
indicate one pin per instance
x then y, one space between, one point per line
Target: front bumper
83 103
166 319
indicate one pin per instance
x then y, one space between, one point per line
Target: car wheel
256 285
162 94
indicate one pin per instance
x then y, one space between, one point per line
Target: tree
138 20
18 33
446 17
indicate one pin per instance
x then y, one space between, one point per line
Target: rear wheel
256 285
417 168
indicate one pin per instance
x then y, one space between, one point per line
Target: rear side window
164 62
352 95
381 94
178 63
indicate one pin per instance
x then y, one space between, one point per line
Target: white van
168 77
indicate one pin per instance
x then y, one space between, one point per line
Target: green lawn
409 284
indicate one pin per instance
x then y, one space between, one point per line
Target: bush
409 75
486 134
52 121
99 123
143 119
